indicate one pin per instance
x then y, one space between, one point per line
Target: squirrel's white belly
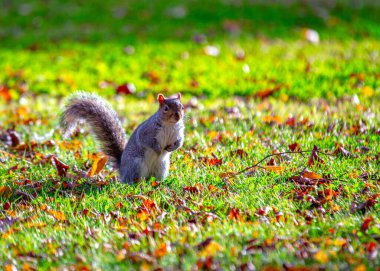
168 135
156 164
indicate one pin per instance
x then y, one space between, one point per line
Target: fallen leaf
262 94
210 249
97 165
314 158
57 214
321 256
126 89
161 251
60 166
278 169
364 227
5 192
360 267
311 175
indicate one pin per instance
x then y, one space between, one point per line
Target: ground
280 166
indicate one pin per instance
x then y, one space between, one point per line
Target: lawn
280 166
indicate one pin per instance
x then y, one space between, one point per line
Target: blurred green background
213 48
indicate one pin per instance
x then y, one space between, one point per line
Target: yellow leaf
5 192
339 242
321 256
98 165
367 91
58 215
211 249
143 215
145 267
278 169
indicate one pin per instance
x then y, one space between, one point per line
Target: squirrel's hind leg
133 171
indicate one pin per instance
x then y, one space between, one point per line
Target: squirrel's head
171 109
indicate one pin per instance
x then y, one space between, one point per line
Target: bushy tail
102 119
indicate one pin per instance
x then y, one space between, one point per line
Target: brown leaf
193 189
263 211
268 92
15 137
60 166
140 257
239 152
152 76
364 206
340 150
314 158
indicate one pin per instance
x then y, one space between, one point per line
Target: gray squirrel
147 153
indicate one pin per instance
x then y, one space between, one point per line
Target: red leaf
126 89
6 206
263 211
291 121
364 227
235 214
60 166
4 93
294 147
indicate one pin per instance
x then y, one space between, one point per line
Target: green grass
263 217
181 216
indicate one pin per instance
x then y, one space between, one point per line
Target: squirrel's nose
177 115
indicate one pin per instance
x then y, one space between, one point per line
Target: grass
199 217
114 219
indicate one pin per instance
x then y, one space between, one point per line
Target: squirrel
147 152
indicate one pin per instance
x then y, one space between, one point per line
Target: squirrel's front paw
172 147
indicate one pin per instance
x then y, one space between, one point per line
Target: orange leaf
269 119
98 165
58 215
161 251
143 215
311 175
5 192
278 169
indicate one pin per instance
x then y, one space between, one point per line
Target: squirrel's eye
166 108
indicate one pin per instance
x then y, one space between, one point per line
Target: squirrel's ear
179 96
161 98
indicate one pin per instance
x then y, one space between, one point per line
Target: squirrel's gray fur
147 153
